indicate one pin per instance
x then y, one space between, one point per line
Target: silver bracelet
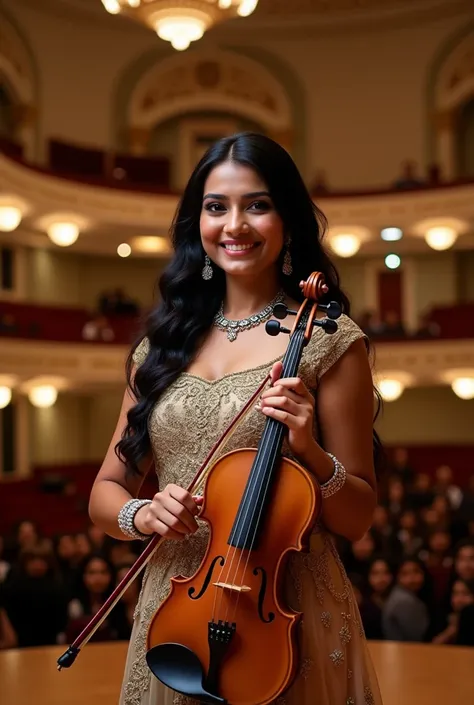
126 517
337 481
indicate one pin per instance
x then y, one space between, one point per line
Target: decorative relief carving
16 62
244 85
456 78
120 207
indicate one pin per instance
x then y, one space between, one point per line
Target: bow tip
68 658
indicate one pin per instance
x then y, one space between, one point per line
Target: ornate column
25 119
445 130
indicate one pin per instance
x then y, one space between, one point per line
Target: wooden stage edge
409 674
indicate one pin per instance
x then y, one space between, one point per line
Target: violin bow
69 656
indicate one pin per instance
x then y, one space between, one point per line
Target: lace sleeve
141 351
324 350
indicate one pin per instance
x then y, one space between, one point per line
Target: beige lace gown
335 666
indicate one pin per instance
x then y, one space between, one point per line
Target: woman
405 614
245 234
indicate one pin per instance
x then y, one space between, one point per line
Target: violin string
228 562
219 592
292 359
241 517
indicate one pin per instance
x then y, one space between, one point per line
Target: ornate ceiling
319 11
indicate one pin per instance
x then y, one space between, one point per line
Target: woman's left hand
289 401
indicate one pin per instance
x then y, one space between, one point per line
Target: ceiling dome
317 12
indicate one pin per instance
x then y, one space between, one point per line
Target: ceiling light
391 234
63 234
440 233
463 387
124 250
152 244
441 237
63 229
12 210
392 261
246 7
181 22
111 6
390 389
5 397
345 244
43 396
10 218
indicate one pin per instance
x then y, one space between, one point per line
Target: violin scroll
313 289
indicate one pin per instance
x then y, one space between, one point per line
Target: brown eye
260 206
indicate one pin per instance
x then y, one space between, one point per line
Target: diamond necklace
233 328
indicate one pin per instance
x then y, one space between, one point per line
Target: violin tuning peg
274 328
280 310
328 325
333 309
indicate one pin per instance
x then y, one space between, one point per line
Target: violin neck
252 510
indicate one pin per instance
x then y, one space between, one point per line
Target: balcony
113 211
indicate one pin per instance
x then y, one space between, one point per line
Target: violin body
231 614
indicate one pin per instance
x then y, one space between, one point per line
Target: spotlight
392 261
124 250
391 234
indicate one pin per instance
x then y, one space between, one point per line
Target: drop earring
287 265
207 271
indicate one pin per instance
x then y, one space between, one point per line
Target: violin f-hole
261 596
207 579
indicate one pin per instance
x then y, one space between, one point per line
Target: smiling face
240 229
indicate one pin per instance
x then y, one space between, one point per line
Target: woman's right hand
171 514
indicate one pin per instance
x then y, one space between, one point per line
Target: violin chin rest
180 669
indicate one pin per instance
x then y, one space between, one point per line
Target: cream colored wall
66 278
432 416
102 415
52 277
436 280
357 85
79 429
59 434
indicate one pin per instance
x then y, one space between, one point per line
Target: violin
225 635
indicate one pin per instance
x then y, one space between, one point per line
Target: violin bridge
236 588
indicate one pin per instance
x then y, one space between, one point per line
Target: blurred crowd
412 573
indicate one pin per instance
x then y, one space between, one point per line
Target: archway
18 88
188 101
453 90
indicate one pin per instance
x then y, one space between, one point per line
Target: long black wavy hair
178 325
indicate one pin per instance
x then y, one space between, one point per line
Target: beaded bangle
337 481
126 518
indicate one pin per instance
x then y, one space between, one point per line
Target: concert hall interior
104 112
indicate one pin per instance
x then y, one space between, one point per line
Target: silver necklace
233 328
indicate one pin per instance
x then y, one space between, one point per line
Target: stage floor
409 674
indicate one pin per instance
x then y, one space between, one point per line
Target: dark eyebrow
221 197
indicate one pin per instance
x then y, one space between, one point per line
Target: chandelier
180 22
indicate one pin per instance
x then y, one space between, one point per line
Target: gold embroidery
349 674
180 446
337 657
305 668
350 701
326 619
180 699
368 696
345 634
